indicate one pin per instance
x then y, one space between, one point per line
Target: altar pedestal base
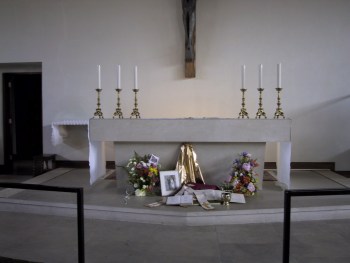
217 143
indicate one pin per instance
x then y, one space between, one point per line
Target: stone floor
52 238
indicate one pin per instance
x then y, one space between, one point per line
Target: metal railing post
80 218
288 194
286 227
80 207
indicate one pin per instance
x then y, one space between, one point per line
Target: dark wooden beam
189 21
190 69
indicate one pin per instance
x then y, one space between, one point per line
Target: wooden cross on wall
189 20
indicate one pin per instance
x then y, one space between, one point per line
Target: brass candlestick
98 113
279 111
135 112
243 113
118 111
226 197
261 112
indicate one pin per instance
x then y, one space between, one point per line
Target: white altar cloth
59 131
209 130
96 149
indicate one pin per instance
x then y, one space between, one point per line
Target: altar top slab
190 130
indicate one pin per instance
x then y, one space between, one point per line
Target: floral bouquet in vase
242 179
144 174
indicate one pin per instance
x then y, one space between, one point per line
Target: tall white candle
279 75
99 76
119 81
243 76
260 76
136 80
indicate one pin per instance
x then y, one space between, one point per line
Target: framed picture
169 182
153 160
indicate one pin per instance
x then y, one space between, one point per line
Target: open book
182 200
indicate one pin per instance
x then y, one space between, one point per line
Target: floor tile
54 238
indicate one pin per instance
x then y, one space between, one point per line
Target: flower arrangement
242 178
143 174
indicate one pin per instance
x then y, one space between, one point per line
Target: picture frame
153 160
169 182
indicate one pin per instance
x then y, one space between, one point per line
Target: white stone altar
217 143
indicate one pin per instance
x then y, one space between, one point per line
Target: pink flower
246 166
228 179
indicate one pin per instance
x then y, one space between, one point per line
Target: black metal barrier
80 207
287 206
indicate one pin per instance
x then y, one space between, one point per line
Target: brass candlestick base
135 112
243 113
279 111
261 112
98 113
118 111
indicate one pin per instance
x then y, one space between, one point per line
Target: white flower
144 186
251 187
140 192
136 185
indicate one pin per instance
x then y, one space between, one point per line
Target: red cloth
197 186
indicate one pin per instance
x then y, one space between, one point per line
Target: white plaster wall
311 38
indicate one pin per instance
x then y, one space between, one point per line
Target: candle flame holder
243 113
118 111
261 112
98 113
135 112
279 111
